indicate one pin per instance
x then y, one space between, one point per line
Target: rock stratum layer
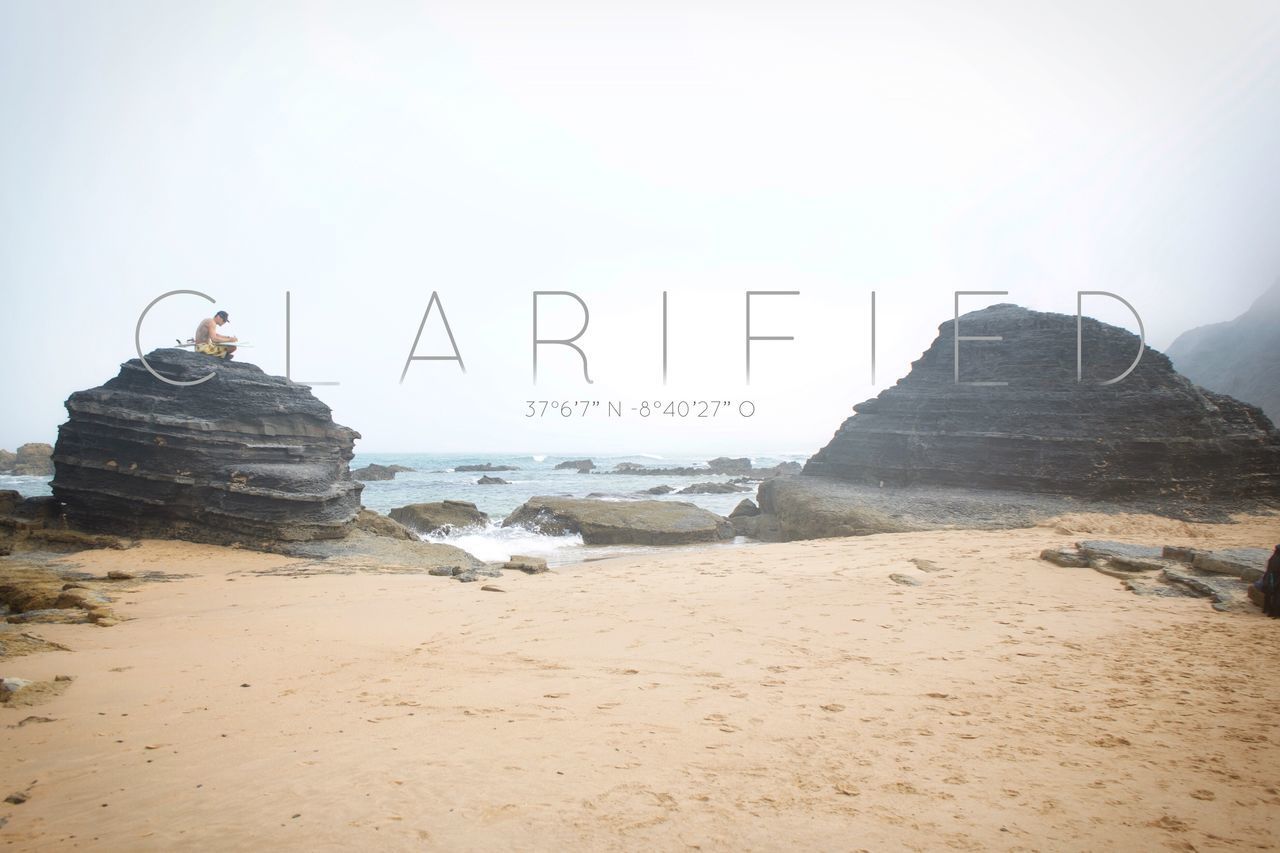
1153 434
241 456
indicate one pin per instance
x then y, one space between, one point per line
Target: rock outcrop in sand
1151 434
242 456
929 453
621 522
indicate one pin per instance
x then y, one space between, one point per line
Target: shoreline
779 695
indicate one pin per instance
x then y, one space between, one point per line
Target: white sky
363 155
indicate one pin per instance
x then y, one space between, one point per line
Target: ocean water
434 478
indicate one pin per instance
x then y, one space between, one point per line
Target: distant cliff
1240 357
241 457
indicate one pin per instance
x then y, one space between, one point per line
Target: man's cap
224 315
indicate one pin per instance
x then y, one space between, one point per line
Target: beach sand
788 696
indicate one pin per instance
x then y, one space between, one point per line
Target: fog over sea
434 478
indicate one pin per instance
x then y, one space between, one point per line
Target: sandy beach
779 696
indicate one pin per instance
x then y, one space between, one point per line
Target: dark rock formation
1240 357
31 460
1151 434
725 465
659 490
241 457
713 489
440 517
486 467
745 508
374 472
582 466
486 480
621 522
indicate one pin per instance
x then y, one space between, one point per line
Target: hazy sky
363 155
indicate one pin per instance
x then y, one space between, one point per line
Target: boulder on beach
621 522
440 517
745 508
239 457
582 466
371 473
33 459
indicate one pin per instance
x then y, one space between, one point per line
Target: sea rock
1240 357
621 522
34 460
659 490
380 525
374 472
486 480
725 465
485 467
240 456
440 517
7 460
782 469
582 466
745 507
1150 434
9 501
713 489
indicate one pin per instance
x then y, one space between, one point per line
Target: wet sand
780 696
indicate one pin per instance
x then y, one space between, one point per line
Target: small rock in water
905 580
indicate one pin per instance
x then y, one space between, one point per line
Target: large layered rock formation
1240 357
1152 435
241 457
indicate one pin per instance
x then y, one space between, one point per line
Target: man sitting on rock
208 340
